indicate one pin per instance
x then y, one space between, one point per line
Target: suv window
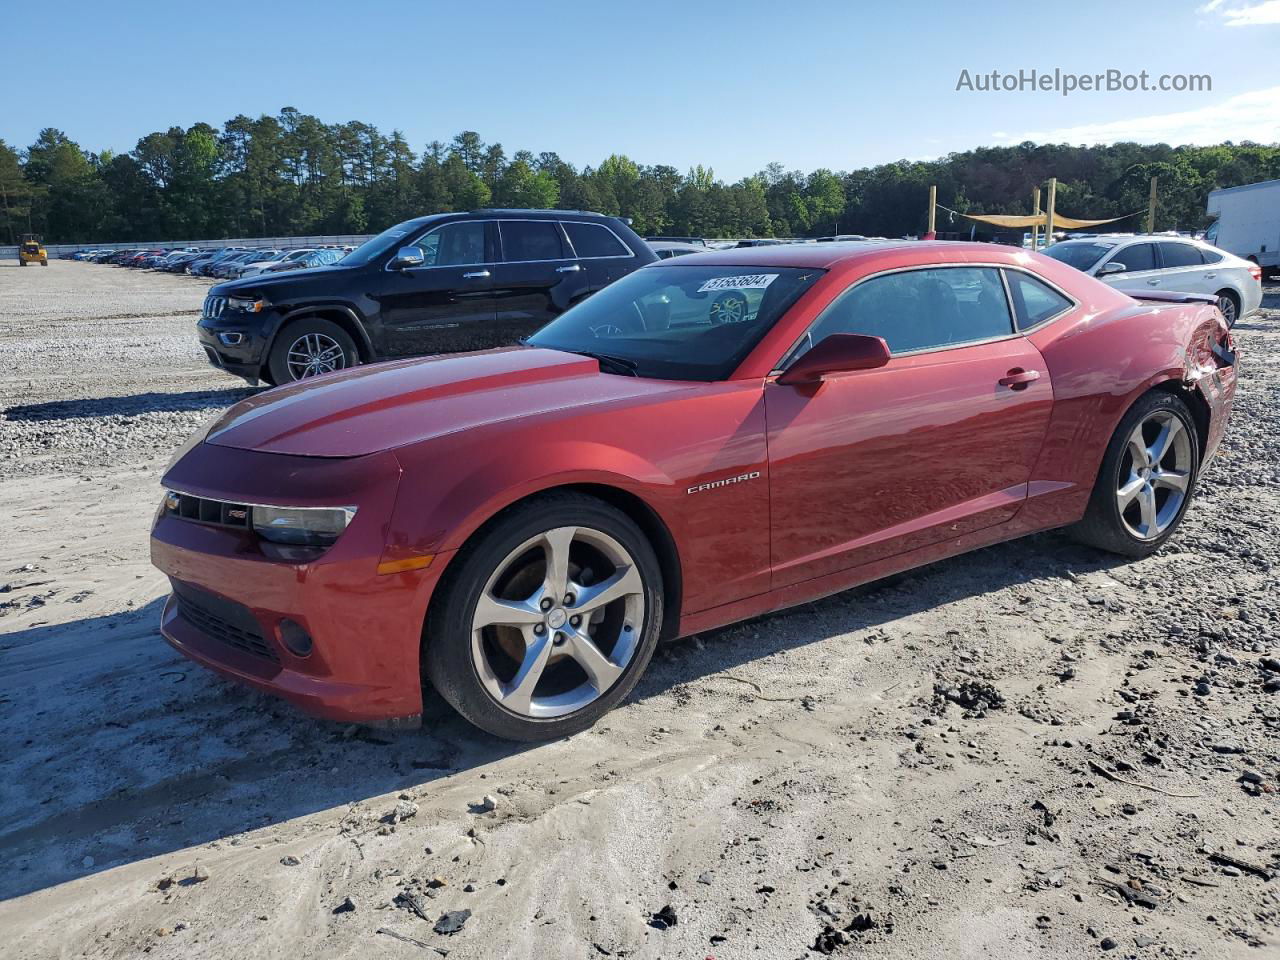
453 245
595 240
1140 256
524 240
1180 255
922 309
1034 301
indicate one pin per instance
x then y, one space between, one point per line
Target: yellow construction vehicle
31 250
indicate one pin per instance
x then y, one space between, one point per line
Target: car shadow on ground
131 405
150 754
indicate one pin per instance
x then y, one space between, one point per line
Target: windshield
1082 256
380 244
679 322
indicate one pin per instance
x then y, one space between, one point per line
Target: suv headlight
247 305
302 526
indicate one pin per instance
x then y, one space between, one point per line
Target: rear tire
477 655
1152 476
1228 306
308 347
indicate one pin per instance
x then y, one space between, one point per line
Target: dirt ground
1031 751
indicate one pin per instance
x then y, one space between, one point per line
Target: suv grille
213 306
223 620
204 510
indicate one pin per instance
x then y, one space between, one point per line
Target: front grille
213 307
223 620
204 510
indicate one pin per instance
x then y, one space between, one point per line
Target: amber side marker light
410 563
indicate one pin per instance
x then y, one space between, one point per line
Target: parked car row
223 263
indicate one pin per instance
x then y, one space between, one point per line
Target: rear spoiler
1168 296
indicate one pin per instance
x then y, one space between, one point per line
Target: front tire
1146 481
547 620
309 347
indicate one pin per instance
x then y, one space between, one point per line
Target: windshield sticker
752 281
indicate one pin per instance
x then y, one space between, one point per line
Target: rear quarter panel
1101 359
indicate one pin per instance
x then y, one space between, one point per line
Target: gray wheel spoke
519 694
1172 479
555 544
1169 430
492 611
1138 450
602 671
1147 504
624 582
1125 495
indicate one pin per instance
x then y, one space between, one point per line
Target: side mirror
1110 267
837 353
407 257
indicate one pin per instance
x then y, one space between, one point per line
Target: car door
601 252
1141 268
446 303
1183 269
537 279
938 443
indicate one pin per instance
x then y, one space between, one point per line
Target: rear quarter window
1034 301
595 240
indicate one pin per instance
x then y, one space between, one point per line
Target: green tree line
293 174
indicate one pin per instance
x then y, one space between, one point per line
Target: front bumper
246 358
232 599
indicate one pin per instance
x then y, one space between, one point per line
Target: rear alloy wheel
1228 307
1146 479
548 620
309 347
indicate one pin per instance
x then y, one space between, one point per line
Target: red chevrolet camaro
707 439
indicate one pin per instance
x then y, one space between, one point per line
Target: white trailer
1248 223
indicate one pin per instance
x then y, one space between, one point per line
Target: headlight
303 526
254 305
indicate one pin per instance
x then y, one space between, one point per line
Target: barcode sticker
752 281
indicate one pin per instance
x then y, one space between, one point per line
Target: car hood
387 405
266 282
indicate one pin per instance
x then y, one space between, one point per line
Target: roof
1248 186
828 255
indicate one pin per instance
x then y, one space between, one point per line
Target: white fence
262 243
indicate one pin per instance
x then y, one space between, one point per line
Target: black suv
437 284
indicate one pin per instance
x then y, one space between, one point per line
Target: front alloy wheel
556 624
307 348
313 354
546 619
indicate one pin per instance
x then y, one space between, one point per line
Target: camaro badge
717 484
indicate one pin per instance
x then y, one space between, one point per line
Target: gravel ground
1032 751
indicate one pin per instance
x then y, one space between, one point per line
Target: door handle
1210 276
476 275
1152 283
1019 379
571 268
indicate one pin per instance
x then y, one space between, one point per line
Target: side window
1211 256
531 240
453 245
1034 302
594 240
1180 255
922 309
1140 256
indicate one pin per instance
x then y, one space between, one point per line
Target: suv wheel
309 347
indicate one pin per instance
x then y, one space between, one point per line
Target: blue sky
729 85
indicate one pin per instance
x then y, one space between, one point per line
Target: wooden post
1035 212
933 210
1151 208
1048 219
